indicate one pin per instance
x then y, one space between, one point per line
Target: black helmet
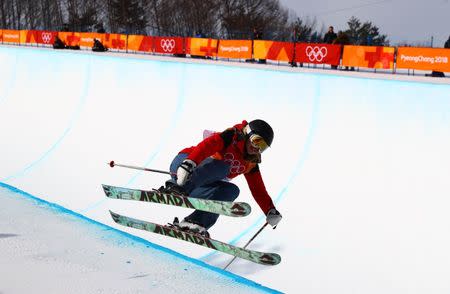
261 128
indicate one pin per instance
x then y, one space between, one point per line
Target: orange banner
236 49
11 36
87 39
140 43
38 37
318 53
368 56
115 41
23 37
169 45
70 38
436 59
1 35
201 47
279 51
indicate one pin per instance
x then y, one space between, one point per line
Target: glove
184 171
273 217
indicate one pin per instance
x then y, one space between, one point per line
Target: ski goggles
258 142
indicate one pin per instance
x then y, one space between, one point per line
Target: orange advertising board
140 43
436 59
115 41
169 45
235 49
1 35
318 53
201 46
38 37
70 38
279 51
368 56
87 39
11 36
23 36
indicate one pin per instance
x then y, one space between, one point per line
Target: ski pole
113 164
254 236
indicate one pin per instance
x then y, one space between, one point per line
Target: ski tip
114 216
241 209
106 189
111 163
270 259
110 191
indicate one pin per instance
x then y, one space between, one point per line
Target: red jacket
230 147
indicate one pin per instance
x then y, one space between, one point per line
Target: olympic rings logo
235 165
316 53
46 37
167 45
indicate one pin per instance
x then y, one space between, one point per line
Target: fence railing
372 57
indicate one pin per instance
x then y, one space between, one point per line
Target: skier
203 171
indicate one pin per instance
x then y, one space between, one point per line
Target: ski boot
187 226
172 188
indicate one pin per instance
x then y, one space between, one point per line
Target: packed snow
359 169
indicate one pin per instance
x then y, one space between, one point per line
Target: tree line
225 19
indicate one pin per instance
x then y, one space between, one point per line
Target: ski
251 255
236 209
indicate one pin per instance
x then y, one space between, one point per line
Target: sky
401 20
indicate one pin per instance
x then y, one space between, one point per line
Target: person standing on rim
330 36
204 171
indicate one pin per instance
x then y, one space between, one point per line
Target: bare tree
155 10
51 15
197 16
82 15
31 15
18 13
234 22
240 17
127 16
183 17
236 19
8 14
4 14
161 17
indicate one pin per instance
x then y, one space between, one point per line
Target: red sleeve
259 192
206 148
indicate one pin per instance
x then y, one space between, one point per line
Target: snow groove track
359 166
54 250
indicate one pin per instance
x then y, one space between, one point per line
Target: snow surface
359 167
48 249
